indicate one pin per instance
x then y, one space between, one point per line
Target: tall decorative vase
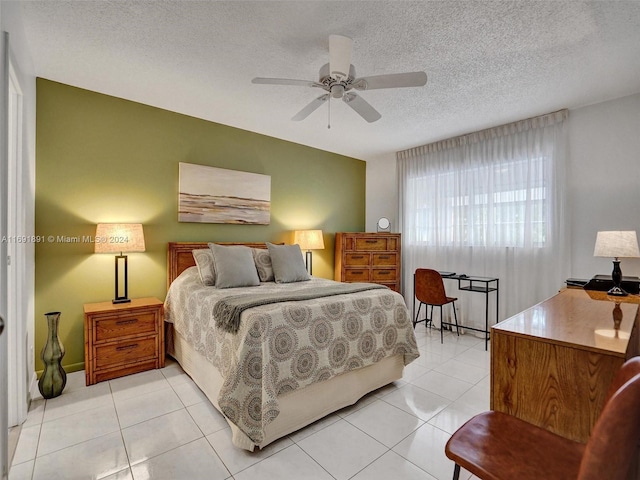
54 378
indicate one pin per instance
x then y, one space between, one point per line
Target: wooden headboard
179 256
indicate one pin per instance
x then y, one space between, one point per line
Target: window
507 207
490 203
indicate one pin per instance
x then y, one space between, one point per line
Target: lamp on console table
617 244
309 240
120 238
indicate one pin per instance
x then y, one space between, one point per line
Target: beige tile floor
159 425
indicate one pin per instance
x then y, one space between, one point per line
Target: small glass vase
53 378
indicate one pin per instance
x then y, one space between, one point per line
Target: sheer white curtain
491 203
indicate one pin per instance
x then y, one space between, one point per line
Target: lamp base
617 292
616 276
308 260
122 297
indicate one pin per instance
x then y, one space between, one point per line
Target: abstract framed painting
218 195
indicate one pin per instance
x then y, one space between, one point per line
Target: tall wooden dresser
368 257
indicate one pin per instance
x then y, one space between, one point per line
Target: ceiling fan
338 79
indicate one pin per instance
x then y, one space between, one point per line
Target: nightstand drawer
107 328
125 352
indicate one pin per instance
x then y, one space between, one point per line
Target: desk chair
429 290
497 446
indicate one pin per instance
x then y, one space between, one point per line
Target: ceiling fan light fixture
337 90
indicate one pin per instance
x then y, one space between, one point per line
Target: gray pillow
288 263
234 266
204 262
262 260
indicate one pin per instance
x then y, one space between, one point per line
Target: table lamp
120 238
309 240
616 244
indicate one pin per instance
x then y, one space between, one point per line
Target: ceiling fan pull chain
329 113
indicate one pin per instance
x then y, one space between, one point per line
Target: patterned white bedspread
286 346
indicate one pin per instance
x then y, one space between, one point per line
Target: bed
289 363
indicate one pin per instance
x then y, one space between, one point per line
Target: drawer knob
371 241
384 257
127 347
357 257
127 322
384 272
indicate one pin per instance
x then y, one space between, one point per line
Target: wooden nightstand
121 339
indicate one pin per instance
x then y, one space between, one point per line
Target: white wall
604 180
382 192
603 175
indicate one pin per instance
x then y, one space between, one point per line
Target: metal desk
469 283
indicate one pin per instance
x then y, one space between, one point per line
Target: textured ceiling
487 62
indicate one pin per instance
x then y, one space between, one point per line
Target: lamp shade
309 239
119 237
616 244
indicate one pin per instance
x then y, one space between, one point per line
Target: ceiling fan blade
285 81
362 107
310 108
393 80
339 56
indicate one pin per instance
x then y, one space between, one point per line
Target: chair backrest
613 443
430 287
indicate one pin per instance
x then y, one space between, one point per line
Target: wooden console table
552 364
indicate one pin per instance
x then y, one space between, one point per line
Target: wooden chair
497 446
429 290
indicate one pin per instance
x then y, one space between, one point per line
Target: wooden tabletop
110 306
578 318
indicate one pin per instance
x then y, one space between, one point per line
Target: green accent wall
101 159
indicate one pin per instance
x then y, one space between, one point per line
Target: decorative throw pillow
262 260
204 262
288 263
234 266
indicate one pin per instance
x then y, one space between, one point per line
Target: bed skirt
298 408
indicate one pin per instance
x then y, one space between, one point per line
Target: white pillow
234 266
204 262
288 263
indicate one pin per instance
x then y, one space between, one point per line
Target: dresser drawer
356 275
107 328
385 259
357 259
383 275
371 244
125 352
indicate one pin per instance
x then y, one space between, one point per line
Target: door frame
4 91
17 377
